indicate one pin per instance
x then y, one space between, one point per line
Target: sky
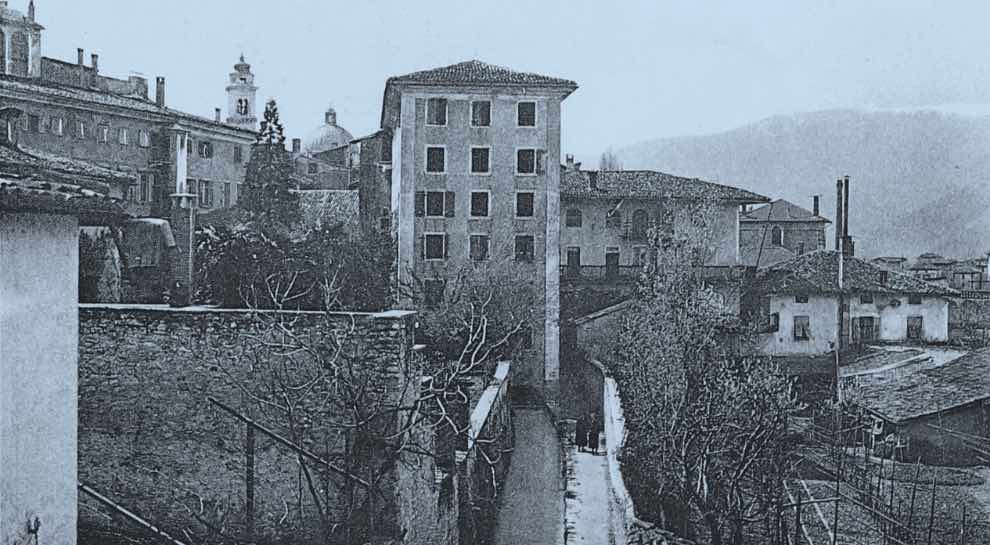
645 69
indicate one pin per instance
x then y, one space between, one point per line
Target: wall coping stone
212 309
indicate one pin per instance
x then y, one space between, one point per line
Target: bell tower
241 94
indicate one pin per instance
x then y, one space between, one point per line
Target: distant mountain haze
920 181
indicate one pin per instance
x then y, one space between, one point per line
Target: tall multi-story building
475 156
71 110
779 231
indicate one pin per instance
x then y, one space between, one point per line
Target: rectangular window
132 193
436 160
802 328
479 204
803 298
481 160
226 194
34 123
524 248
481 113
774 324
479 247
914 299
436 111
433 293
144 139
103 134
866 298
205 194
58 126
526 161
122 136
80 129
526 114
915 327
524 205
238 157
434 246
145 186
436 204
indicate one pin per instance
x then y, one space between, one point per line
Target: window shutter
448 204
445 241
420 249
876 329
420 203
541 160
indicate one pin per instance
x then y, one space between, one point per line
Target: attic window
883 278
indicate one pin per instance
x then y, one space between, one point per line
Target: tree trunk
711 520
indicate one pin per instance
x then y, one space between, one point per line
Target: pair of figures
587 432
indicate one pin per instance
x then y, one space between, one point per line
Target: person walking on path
581 433
594 429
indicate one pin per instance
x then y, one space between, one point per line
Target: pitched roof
817 272
646 184
475 72
927 391
39 87
751 256
781 210
57 185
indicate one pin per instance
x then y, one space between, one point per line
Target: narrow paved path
587 512
532 503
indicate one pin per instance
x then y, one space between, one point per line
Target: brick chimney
216 114
848 246
296 145
80 54
95 62
815 203
838 214
160 91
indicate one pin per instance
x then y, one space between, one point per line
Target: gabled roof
890 259
475 72
751 255
927 391
781 211
646 184
817 273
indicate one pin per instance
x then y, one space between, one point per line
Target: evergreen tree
268 197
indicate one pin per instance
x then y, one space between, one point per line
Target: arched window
777 236
573 217
19 54
640 224
242 106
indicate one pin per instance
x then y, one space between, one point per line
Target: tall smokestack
160 91
816 201
845 208
838 214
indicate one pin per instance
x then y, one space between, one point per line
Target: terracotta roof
646 184
19 163
475 72
781 210
817 272
927 391
38 87
35 195
750 255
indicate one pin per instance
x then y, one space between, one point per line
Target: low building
802 298
936 413
41 209
780 230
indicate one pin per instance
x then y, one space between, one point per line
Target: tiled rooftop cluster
647 184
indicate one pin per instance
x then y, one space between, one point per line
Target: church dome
328 136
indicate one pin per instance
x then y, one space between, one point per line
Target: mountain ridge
920 180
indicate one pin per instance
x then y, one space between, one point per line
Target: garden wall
151 440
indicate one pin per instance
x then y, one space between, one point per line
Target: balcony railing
600 272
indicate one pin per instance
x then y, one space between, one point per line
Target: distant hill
920 181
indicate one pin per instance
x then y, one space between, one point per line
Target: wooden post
797 521
914 492
931 514
962 536
835 515
249 482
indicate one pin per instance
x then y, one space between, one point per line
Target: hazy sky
645 69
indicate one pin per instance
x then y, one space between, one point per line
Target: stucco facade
503 138
889 321
38 387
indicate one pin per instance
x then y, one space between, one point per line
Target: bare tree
706 419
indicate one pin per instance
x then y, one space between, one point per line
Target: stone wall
151 440
969 319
